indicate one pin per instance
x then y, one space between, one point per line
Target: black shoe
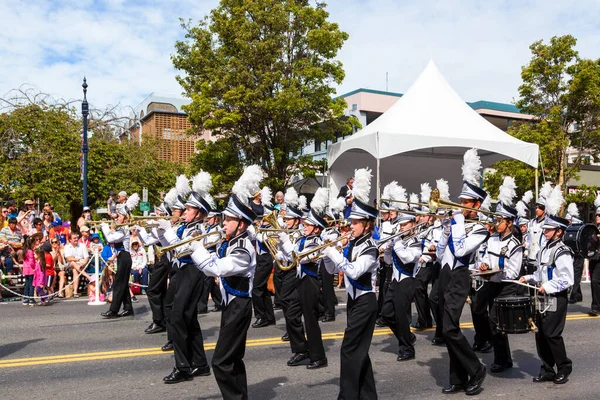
561 378
297 359
277 307
405 357
317 364
419 327
261 323
177 376
285 337
217 309
168 346
381 322
328 318
134 299
593 313
197 371
572 301
205 311
126 313
438 341
543 378
155 328
413 338
497 368
453 389
110 314
474 385
485 347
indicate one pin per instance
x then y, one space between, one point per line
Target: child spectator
139 264
60 265
59 232
49 261
29 267
39 276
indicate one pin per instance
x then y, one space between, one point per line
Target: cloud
124 47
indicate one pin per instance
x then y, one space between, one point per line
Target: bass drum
582 239
514 314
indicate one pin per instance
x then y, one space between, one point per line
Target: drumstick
520 283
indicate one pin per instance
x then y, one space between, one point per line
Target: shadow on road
438 368
264 390
10 348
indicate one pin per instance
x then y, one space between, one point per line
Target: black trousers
168 302
576 294
121 293
502 354
396 312
434 300
455 285
595 283
385 277
288 295
327 291
157 289
308 296
480 305
549 341
228 357
356 375
422 280
184 327
261 298
277 282
209 287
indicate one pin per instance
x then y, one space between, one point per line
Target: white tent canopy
423 137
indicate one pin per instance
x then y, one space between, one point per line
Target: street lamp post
84 148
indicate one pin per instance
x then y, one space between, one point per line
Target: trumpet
436 202
161 250
296 257
275 230
395 235
145 217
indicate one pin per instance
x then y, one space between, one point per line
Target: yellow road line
153 351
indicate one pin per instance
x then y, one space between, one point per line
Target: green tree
562 92
260 74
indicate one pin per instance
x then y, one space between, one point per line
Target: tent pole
378 190
536 183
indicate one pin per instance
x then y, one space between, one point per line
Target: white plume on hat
132 202
338 205
392 191
170 198
425 192
266 195
521 209
444 188
554 201
362 184
302 202
471 167
546 190
597 201
486 204
527 197
183 186
507 191
413 199
247 184
291 197
319 201
573 211
201 184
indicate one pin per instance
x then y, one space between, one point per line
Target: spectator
348 208
60 265
30 210
111 205
139 264
346 188
23 221
59 231
47 219
54 213
13 212
122 197
96 244
39 275
13 237
77 258
38 227
85 237
278 200
29 267
49 263
85 216
4 218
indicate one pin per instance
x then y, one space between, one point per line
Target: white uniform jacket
555 268
458 245
535 237
504 253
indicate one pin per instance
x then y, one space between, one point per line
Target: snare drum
513 313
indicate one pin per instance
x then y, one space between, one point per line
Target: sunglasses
54 242
4 212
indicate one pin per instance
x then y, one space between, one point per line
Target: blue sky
124 47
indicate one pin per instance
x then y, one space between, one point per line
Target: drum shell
582 239
513 313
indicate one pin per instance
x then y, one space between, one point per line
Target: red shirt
49 264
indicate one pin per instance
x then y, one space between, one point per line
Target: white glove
195 245
329 237
447 225
251 232
105 227
399 246
280 257
333 254
163 224
283 237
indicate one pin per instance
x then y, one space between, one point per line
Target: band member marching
555 274
184 329
406 250
119 237
535 232
308 286
210 287
389 226
233 264
359 264
456 249
595 269
505 254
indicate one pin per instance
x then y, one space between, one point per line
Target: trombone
395 235
296 257
436 202
161 250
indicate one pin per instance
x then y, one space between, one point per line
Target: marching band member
456 249
308 286
389 226
329 298
534 228
184 329
575 295
426 268
555 274
523 220
595 269
261 298
210 287
119 237
359 264
406 250
505 253
233 264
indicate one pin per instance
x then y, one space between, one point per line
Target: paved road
68 351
